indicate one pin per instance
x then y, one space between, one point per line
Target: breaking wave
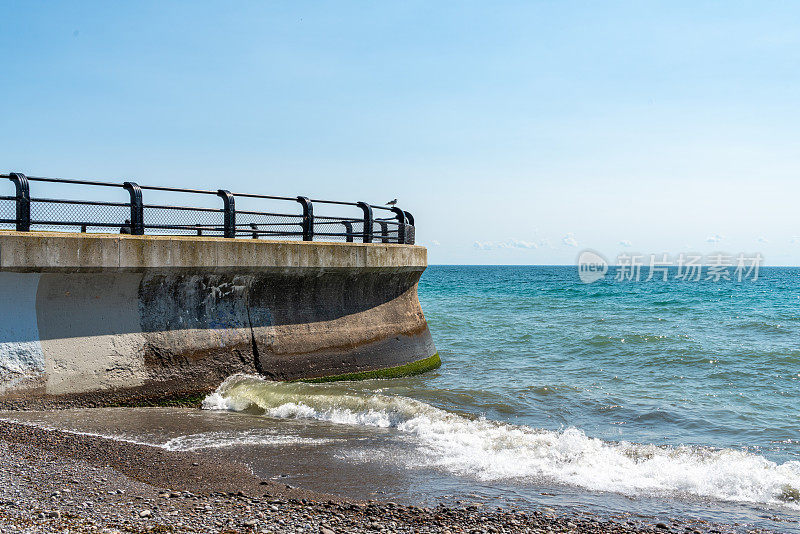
492 450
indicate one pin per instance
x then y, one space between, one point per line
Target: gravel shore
52 481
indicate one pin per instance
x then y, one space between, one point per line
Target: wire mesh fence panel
379 232
269 225
357 228
337 229
410 234
78 216
385 231
170 220
8 213
329 231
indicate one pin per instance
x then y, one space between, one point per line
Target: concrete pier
108 319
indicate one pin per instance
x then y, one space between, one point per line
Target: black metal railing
24 213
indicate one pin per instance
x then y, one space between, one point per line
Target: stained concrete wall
104 319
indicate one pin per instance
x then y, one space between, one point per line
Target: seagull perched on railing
392 203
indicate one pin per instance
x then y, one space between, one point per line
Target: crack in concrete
256 356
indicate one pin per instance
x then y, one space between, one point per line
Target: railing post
308 218
23 201
137 208
384 231
230 212
401 224
348 228
367 233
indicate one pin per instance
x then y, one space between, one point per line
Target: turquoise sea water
669 363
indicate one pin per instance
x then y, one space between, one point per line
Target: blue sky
516 132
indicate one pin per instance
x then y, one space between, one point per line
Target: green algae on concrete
409 369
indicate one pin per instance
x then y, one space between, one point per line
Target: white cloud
762 239
626 243
716 238
517 243
508 243
795 239
435 243
570 240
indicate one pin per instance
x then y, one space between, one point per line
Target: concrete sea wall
106 319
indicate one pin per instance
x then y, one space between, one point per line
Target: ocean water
673 363
657 399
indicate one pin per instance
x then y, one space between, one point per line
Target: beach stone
325 530
145 513
251 523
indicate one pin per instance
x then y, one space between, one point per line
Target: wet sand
57 481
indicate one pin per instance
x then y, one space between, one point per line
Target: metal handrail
67 181
268 197
395 228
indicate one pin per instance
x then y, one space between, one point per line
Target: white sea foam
218 440
491 450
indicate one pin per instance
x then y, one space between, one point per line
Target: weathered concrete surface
117 318
65 252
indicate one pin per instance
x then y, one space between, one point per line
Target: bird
392 203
